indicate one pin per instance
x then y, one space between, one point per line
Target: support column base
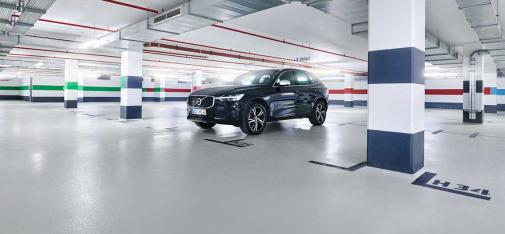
131 112
70 104
395 151
479 117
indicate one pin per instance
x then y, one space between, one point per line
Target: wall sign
429 180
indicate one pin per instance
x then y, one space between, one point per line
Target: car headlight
231 98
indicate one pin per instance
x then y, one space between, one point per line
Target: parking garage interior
97 135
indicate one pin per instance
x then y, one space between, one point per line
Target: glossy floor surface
85 171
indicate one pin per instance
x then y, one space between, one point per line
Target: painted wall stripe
402 65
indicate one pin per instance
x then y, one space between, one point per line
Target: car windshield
263 77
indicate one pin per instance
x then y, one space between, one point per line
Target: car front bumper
222 112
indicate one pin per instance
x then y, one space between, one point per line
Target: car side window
302 78
287 75
313 78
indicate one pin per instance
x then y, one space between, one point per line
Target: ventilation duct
17 20
183 18
356 13
482 17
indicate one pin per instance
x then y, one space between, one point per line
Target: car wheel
318 115
253 119
205 125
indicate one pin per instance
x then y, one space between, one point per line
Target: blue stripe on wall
47 99
444 105
100 99
148 99
402 65
10 97
500 92
176 98
490 109
395 151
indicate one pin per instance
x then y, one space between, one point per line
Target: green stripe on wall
24 87
71 85
100 89
47 87
9 88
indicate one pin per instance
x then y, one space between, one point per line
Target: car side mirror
284 83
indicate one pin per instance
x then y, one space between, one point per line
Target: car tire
205 125
318 115
253 119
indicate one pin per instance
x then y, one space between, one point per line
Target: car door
304 92
283 102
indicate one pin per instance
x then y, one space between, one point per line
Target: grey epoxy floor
85 171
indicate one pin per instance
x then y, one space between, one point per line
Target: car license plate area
198 111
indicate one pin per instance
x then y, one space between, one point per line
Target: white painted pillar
196 83
160 90
490 91
131 85
71 83
348 90
396 85
473 90
500 93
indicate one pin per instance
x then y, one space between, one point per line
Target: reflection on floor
85 171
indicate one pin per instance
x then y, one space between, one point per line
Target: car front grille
201 101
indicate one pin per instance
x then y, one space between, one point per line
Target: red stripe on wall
348 91
150 90
168 90
487 91
444 91
360 91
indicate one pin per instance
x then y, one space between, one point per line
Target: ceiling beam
27 9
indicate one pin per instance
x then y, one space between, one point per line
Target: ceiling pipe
210 52
72 24
132 6
287 42
154 52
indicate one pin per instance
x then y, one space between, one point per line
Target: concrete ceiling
292 22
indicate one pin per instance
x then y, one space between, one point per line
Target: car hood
225 90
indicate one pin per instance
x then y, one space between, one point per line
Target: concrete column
131 85
490 92
80 89
196 83
500 93
71 83
160 90
396 85
348 90
473 90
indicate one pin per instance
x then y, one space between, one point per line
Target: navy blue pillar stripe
70 104
395 151
479 86
500 107
131 82
131 108
131 112
402 65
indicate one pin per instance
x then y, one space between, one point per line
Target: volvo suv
259 97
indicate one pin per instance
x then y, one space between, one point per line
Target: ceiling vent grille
167 16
